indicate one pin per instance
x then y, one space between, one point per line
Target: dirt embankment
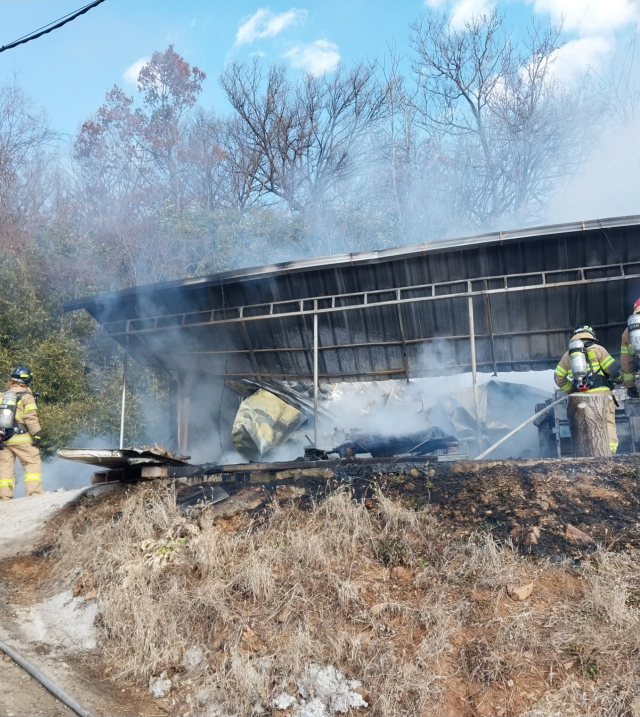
507 498
50 628
501 588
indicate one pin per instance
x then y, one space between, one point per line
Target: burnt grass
507 498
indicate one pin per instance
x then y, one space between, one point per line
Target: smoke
607 184
57 474
396 408
397 183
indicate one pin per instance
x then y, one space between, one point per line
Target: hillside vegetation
252 611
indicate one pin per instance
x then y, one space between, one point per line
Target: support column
182 412
315 374
487 299
173 412
474 372
405 358
124 398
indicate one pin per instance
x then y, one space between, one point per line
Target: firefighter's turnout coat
21 446
602 365
627 360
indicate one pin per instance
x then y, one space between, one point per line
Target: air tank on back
8 409
634 332
578 360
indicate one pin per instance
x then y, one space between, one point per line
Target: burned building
504 301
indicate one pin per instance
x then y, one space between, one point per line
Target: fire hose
45 681
520 427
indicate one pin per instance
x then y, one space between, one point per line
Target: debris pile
264 422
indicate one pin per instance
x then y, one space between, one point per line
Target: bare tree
123 149
169 87
398 143
458 73
26 141
512 129
620 83
304 139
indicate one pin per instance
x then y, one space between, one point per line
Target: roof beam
628 271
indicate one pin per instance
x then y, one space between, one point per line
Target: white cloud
316 58
577 56
594 22
586 17
590 16
462 10
465 10
131 73
263 23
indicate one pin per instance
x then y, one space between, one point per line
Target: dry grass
236 616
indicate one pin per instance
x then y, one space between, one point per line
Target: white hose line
520 427
45 681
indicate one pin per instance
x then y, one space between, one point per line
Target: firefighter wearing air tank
20 435
587 367
630 351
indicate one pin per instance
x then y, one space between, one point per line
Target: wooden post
587 414
315 374
184 404
124 399
474 371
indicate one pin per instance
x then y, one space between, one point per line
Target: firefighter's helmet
22 374
584 330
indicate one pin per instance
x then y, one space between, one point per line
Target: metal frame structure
378 332
360 300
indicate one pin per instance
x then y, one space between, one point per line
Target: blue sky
69 71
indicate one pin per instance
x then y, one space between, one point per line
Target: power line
51 26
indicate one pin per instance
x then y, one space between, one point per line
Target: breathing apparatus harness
584 377
8 406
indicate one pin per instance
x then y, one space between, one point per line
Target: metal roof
395 313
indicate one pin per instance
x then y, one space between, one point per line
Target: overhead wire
50 27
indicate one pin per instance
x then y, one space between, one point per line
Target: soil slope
493 588
51 639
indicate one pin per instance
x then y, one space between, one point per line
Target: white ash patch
159 686
324 692
62 621
284 700
193 657
314 708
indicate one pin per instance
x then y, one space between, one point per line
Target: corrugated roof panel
169 324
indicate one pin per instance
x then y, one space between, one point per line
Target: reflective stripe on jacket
601 363
627 359
26 413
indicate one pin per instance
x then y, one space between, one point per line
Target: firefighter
588 367
628 355
23 437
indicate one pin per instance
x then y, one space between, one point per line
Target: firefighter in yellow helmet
20 430
630 350
600 370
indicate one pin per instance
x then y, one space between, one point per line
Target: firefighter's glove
37 440
633 392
